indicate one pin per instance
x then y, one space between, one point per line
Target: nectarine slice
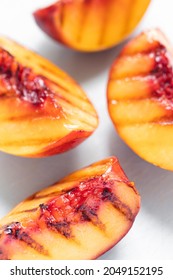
140 97
42 110
90 25
80 217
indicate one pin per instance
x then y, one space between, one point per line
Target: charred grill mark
35 197
83 20
90 214
107 195
32 210
32 243
43 206
16 231
60 227
101 40
87 212
62 14
12 229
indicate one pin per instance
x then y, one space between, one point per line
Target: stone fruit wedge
140 97
81 217
90 25
42 110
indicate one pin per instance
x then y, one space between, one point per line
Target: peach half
42 110
78 218
140 97
90 25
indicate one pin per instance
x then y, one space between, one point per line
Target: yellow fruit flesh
142 120
136 112
152 142
91 25
104 24
131 66
127 89
136 13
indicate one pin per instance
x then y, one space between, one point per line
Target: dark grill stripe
61 227
15 231
117 203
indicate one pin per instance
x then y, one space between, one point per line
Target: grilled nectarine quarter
140 97
42 110
90 25
80 217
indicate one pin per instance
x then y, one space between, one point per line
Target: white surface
152 234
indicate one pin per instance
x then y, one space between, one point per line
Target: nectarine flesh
90 25
80 217
42 110
140 97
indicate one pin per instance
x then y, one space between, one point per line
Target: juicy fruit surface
82 216
140 97
42 110
91 25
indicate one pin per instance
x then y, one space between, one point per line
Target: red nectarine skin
68 142
67 208
44 19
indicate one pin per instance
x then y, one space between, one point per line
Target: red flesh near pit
22 81
163 77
